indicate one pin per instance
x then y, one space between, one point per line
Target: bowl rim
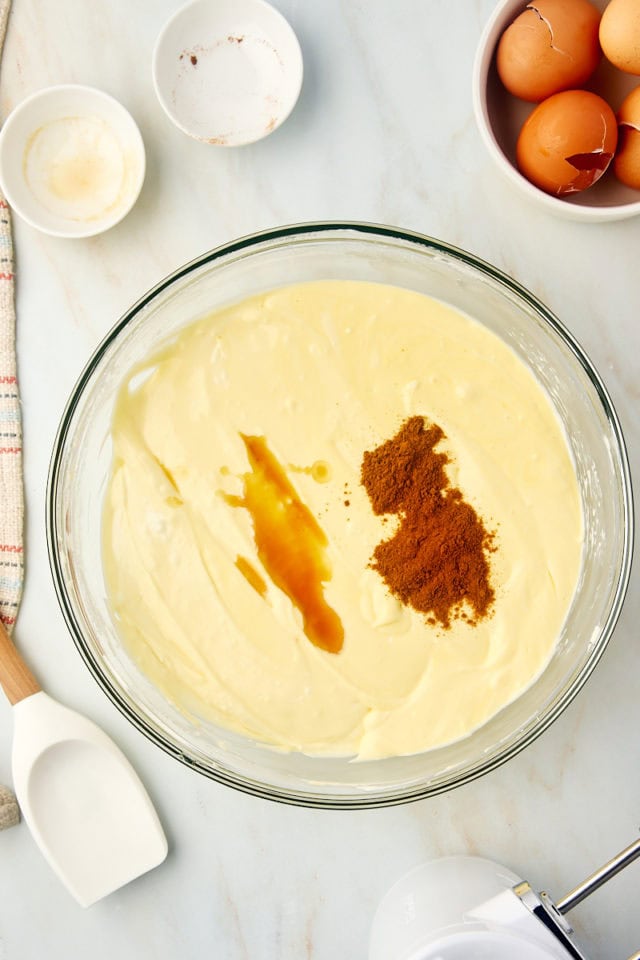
377 797
583 213
135 143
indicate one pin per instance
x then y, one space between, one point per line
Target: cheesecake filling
244 550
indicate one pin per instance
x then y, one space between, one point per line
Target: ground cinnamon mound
438 560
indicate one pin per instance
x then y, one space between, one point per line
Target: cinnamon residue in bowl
437 561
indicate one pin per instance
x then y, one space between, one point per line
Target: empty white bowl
227 72
72 161
500 116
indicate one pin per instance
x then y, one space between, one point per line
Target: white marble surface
383 132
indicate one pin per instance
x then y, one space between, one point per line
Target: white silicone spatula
79 795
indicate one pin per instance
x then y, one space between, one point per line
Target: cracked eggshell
626 163
551 46
568 142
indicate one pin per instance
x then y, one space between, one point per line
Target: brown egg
567 142
620 34
626 163
552 46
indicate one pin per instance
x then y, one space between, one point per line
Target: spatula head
82 800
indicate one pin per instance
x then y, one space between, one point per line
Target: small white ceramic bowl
227 72
500 116
72 161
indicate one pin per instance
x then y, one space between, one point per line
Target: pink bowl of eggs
556 95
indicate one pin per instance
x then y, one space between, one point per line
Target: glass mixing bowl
81 463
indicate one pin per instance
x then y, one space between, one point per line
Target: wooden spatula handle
16 679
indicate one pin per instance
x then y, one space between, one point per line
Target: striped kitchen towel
11 488
11 491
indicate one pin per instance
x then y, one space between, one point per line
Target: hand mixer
468 908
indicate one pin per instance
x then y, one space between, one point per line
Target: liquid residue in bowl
76 168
